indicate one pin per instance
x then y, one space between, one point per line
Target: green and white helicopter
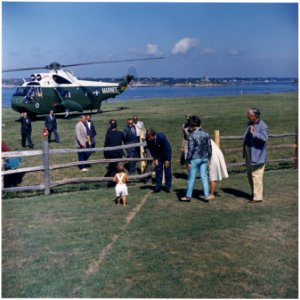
59 90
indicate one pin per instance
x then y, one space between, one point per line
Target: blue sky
196 39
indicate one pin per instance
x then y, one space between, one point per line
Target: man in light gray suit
255 151
82 142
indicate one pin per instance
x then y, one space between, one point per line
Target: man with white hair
255 151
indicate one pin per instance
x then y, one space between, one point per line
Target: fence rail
218 138
240 137
46 167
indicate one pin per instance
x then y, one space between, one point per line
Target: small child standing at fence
121 189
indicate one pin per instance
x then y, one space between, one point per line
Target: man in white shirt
139 125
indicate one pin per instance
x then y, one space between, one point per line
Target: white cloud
152 49
233 52
149 49
209 51
185 45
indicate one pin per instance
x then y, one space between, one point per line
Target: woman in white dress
217 168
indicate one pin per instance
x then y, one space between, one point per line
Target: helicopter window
38 92
21 91
65 94
60 80
33 83
29 92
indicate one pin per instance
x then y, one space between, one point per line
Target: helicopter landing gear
67 113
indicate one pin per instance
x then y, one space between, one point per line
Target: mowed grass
78 243
227 114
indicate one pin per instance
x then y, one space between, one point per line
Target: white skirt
121 190
217 167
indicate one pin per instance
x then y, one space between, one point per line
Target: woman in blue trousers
199 154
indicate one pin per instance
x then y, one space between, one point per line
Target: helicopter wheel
67 114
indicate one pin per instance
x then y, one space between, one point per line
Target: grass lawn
82 245
228 114
78 243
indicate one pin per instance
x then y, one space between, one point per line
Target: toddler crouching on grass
121 189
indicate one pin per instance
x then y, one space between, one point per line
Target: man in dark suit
161 152
91 131
131 138
26 130
51 125
113 138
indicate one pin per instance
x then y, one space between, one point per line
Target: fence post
217 138
46 167
296 148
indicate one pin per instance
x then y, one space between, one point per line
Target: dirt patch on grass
93 268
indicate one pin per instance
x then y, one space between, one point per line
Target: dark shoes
155 191
167 190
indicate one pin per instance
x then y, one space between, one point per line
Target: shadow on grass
197 194
180 175
74 115
147 187
237 193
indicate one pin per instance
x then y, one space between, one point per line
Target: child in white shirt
121 189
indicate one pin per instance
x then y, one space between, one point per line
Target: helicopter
61 91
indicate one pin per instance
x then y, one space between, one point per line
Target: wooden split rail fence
46 168
218 138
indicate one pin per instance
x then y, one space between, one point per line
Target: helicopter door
63 94
32 92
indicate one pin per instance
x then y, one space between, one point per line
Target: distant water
141 93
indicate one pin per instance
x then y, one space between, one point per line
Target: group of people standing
85 133
200 153
85 138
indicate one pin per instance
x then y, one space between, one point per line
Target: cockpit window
60 80
33 83
29 92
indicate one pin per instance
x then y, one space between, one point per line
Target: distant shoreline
180 82
9 86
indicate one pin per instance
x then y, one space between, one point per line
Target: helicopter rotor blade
112 61
23 69
57 66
